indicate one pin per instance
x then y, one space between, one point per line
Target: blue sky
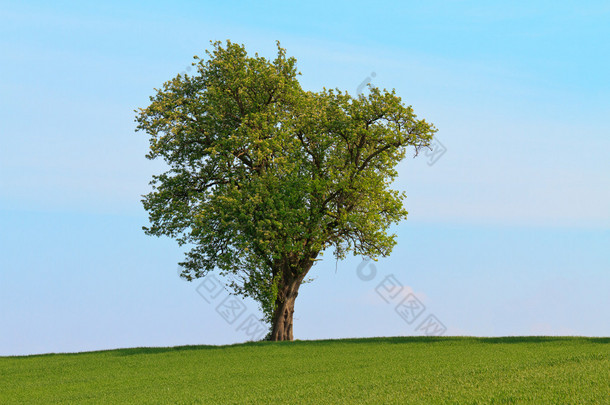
508 232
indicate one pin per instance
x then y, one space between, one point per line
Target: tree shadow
330 342
373 340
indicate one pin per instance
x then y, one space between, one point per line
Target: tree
264 176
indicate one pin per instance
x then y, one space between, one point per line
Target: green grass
553 370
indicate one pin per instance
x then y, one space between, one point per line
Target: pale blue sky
508 233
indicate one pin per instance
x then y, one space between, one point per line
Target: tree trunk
284 309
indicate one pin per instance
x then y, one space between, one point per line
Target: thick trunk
284 310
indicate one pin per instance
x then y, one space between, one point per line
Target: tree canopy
264 176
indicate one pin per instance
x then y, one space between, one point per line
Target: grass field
553 370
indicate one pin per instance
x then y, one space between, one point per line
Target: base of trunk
284 308
282 327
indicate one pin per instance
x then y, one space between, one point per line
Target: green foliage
402 370
263 176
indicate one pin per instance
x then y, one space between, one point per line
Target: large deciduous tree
264 176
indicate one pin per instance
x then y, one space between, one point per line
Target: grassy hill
553 370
